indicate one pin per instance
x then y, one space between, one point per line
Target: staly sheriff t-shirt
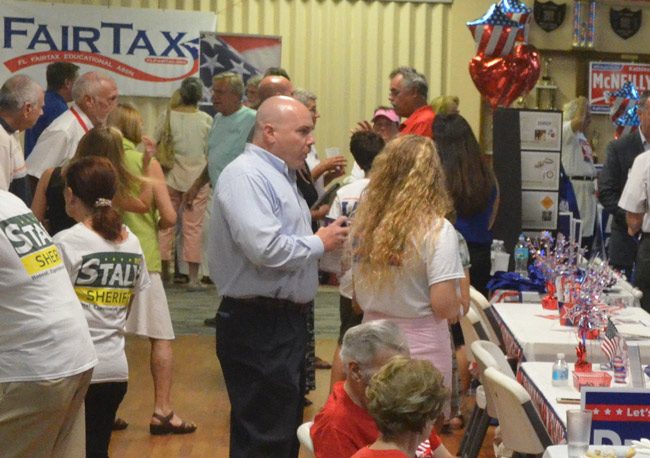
43 332
105 276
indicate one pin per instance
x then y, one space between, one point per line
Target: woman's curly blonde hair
405 199
404 396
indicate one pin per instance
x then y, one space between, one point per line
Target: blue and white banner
148 51
620 415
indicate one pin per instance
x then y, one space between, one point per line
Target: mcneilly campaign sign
608 77
147 51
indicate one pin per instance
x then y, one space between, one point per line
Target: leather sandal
166 427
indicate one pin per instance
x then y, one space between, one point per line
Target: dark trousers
642 271
479 271
102 401
261 349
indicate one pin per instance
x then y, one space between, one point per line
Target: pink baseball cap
388 113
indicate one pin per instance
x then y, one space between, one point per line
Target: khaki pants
44 418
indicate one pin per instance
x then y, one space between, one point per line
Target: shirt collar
644 141
83 115
6 126
272 159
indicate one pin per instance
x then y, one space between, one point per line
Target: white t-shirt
577 156
12 161
58 143
408 296
634 197
105 276
43 332
345 204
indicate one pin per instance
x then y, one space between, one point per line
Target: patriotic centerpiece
505 65
623 109
577 288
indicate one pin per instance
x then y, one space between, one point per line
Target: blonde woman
407 263
150 317
404 398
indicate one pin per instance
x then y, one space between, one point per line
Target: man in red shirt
344 425
408 95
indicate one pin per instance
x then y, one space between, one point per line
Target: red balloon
502 79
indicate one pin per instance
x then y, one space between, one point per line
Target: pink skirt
428 339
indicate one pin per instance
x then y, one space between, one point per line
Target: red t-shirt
342 428
368 453
419 123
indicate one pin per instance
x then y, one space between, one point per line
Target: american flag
611 344
217 56
424 450
520 13
623 109
494 34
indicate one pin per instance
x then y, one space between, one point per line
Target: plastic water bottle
521 256
560 371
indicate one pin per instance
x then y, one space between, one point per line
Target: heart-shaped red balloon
502 79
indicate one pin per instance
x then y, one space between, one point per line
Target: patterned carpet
189 309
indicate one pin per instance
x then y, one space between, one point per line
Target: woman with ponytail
106 265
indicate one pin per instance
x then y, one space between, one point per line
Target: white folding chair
521 427
486 312
305 438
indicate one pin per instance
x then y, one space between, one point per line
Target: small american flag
520 13
494 34
424 450
611 344
623 109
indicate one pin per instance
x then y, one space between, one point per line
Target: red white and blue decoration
623 109
505 65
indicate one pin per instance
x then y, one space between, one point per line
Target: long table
531 333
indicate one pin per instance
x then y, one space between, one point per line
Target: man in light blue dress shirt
267 273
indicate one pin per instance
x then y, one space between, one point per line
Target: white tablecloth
532 333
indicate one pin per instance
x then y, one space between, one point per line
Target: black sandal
166 427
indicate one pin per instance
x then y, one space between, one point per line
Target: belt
582 178
269 302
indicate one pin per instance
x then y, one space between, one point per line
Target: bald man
274 85
267 273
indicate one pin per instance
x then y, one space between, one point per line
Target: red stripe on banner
623 412
89 58
242 44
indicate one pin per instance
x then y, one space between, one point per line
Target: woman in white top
106 266
406 258
189 130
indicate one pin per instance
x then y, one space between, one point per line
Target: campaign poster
620 415
607 77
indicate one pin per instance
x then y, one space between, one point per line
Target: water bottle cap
560 356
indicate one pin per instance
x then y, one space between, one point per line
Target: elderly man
267 272
21 103
60 78
620 156
408 95
344 425
46 354
95 96
230 129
